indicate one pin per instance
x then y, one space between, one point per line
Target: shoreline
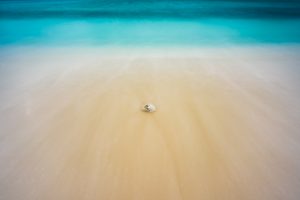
110 51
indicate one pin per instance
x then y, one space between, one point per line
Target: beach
226 125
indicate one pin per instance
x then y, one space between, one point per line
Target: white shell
149 107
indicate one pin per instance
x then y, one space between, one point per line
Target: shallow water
148 32
148 22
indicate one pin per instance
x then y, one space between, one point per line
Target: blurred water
151 8
147 22
147 32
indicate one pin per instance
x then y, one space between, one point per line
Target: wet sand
226 126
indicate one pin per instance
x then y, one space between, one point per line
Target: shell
149 107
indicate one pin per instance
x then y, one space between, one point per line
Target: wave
150 8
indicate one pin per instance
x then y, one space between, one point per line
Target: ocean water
148 22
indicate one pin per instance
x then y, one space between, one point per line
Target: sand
226 125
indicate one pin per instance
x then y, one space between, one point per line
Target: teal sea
149 23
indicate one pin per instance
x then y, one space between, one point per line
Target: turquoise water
148 32
149 23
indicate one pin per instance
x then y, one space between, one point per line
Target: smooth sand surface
226 125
